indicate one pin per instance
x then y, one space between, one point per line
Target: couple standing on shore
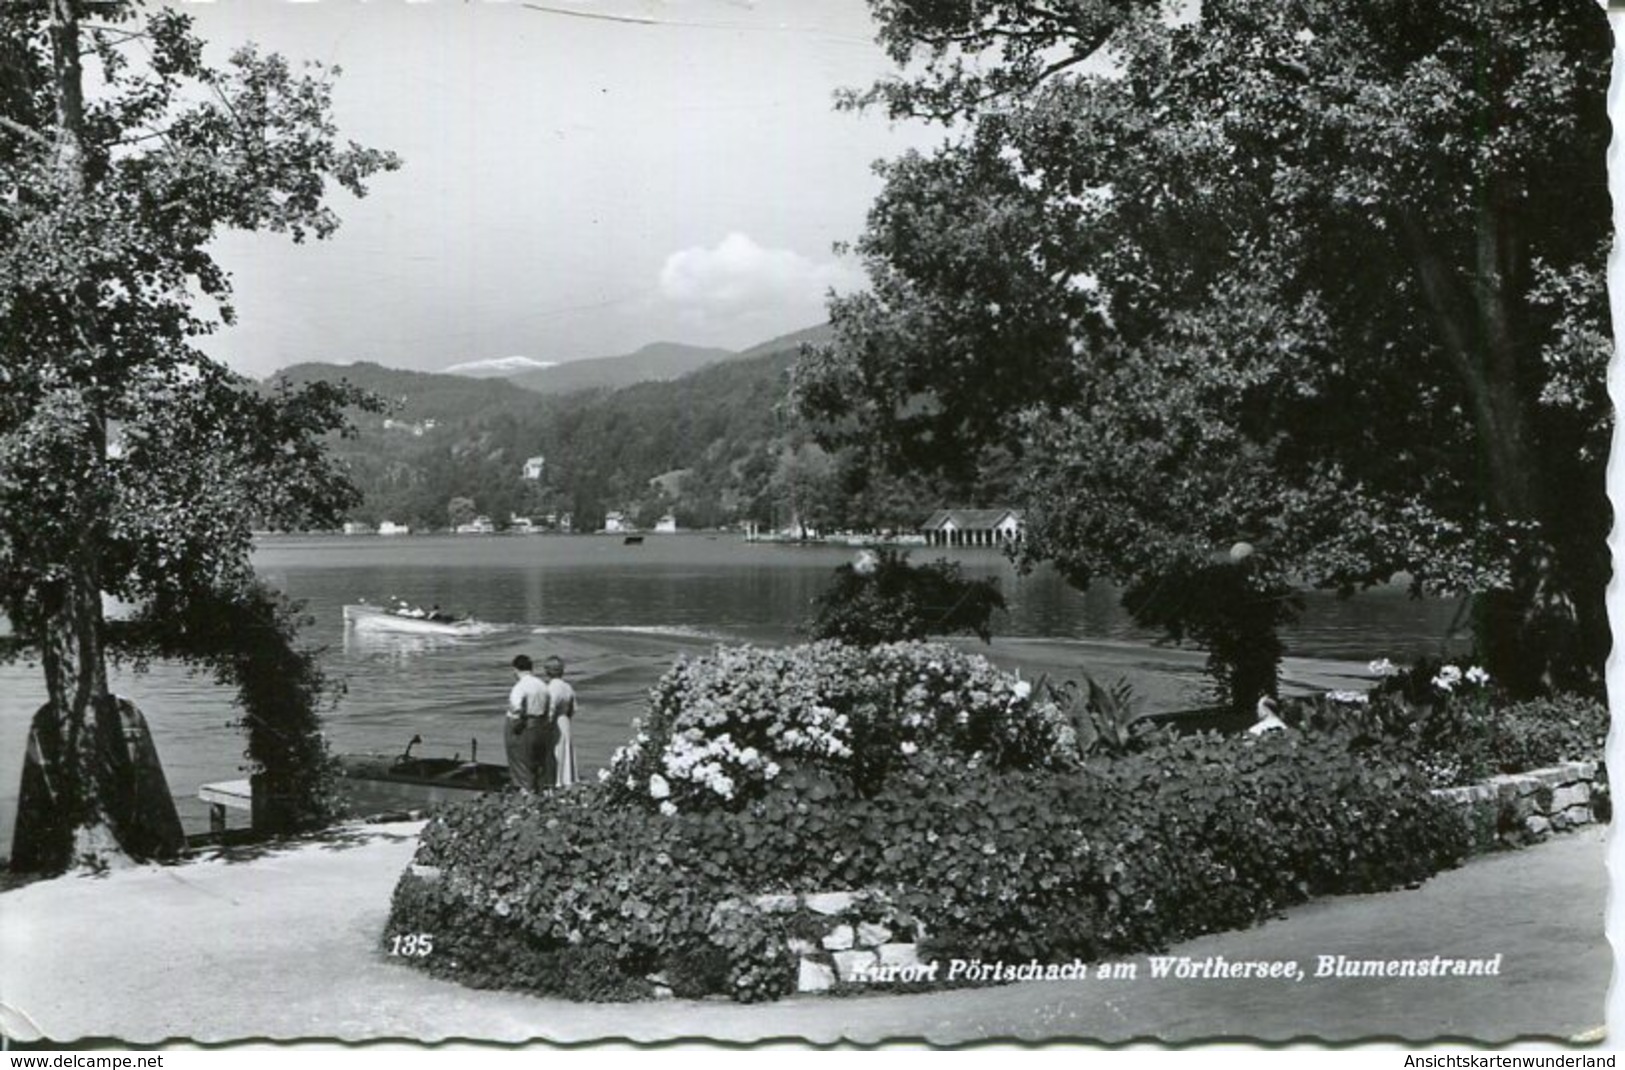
541 755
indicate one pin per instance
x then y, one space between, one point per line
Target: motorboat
375 783
364 617
370 786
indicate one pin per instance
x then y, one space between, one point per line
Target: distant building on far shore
614 523
389 527
356 527
534 467
972 527
666 525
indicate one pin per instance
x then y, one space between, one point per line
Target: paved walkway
284 946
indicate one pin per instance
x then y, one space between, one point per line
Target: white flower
1383 667
1449 676
908 747
1022 688
1349 698
658 788
1477 676
866 563
668 808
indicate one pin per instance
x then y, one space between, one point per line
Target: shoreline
1165 678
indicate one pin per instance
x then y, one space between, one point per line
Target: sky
581 177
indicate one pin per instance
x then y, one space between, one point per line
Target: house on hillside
615 523
534 466
480 525
666 525
972 527
416 430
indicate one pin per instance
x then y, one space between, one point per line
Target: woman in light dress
561 707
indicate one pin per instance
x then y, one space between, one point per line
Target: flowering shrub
723 728
1454 724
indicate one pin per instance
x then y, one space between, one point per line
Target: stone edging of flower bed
1519 808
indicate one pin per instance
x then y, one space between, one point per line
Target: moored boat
370 786
379 782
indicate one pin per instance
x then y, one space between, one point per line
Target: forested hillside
715 447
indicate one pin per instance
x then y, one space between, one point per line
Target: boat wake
675 631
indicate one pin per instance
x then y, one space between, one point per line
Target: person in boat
528 735
440 616
561 704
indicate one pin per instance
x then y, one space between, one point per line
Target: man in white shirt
528 736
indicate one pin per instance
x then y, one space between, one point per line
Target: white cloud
499 366
739 277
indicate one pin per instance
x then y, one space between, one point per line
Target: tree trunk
92 793
1532 631
62 752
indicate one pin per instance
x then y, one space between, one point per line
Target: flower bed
955 802
986 838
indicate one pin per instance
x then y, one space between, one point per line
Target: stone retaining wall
1520 808
847 937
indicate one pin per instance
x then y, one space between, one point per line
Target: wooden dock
226 795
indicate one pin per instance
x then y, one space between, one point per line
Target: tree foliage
882 598
1320 275
132 464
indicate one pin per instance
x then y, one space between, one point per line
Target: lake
620 615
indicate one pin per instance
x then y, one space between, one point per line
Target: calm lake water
619 615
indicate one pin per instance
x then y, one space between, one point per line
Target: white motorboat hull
376 618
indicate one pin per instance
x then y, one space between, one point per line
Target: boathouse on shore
972 527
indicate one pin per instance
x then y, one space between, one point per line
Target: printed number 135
419 944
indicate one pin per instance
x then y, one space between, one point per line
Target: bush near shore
917 771
1455 724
